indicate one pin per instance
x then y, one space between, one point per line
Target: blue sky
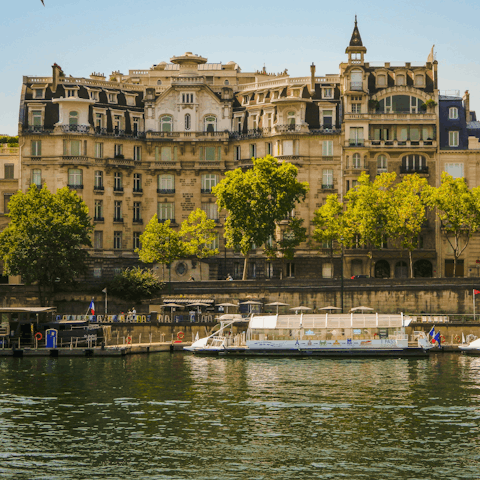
105 35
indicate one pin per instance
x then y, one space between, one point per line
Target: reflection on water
178 416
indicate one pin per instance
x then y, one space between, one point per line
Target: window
36 177
164 154
98 150
136 240
290 269
356 108
166 211
98 180
210 124
453 113
166 123
6 199
98 210
159 82
209 181
356 135
268 148
38 92
239 124
117 240
453 138
253 150
327 244
136 125
327 148
187 97
381 164
356 161
215 244
71 92
381 81
269 270
327 179
327 92
137 182
8 173
37 120
112 97
237 153
73 118
226 82
188 122
98 240
414 163
356 80
118 182
327 270
118 150
210 154
137 212
75 178
93 95
327 118
419 80
36 148
130 99
137 153
211 210
454 169
117 124
291 118
117 211
166 184
400 79
400 104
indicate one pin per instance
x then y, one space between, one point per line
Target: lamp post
106 304
341 273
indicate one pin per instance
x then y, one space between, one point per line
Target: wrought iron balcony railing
166 191
76 128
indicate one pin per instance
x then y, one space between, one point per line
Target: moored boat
472 348
323 335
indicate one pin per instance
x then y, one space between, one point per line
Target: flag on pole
437 338
104 290
92 307
431 333
476 292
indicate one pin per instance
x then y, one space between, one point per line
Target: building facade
157 141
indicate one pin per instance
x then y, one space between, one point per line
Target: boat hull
323 353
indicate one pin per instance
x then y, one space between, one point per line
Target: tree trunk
454 264
245 266
41 296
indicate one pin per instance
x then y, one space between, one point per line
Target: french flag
92 307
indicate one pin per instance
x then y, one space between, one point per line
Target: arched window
453 113
356 80
166 123
381 81
400 104
73 118
414 163
188 122
381 163
227 82
356 160
159 82
401 270
291 118
423 268
382 269
419 80
210 124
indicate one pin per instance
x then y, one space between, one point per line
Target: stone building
156 141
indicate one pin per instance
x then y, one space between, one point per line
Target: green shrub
135 284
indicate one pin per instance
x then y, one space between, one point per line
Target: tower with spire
355 49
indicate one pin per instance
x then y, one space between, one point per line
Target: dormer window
93 94
112 97
70 92
130 99
187 97
453 113
210 123
38 92
245 99
226 82
400 79
381 81
327 92
419 80
261 97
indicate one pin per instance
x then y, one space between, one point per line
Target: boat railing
398 336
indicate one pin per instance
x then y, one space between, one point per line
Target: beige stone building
156 141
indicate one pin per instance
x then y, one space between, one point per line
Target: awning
189 300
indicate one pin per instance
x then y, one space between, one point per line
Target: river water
177 416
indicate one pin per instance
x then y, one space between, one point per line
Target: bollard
124 340
140 338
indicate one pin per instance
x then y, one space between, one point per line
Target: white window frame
211 210
166 120
327 148
36 177
327 178
137 153
75 177
166 183
166 211
327 92
98 179
117 240
382 164
453 138
453 113
209 180
36 148
98 150
451 169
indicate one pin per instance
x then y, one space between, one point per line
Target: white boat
472 348
376 335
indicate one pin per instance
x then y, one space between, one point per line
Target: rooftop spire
356 40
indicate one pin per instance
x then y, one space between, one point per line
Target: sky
104 35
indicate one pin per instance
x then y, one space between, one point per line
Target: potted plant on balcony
430 104
373 105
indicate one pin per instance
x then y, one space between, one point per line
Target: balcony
254 133
326 130
75 186
37 129
117 220
405 169
356 142
138 190
98 188
118 189
137 220
327 186
98 219
392 117
401 143
163 220
166 191
206 190
75 128
357 86
288 128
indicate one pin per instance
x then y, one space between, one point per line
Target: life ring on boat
180 335
129 340
456 338
38 336
375 335
442 339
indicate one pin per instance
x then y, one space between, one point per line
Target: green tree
458 209
44 239
161 244
256 200
198 234
135 284
406 214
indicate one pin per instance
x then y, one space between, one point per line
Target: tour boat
323 335
473 348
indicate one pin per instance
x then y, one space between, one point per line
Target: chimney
312 79
466 104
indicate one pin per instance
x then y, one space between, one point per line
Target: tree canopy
44 239
135 284
256 200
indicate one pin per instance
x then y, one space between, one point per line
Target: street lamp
106 309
